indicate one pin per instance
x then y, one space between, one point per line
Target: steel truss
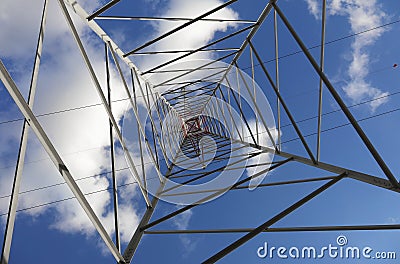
195 108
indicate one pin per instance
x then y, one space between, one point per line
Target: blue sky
360 67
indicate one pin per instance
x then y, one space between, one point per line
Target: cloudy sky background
82 135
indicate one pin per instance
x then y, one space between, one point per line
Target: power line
43 159
62 111
346 124
329 42
62 183
351 106
313 90
67 154
68 198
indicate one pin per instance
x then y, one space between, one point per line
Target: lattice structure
205 127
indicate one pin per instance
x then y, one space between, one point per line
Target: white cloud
314 8
181 222
362 15
260 160
393 220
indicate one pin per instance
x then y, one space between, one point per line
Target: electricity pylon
205 126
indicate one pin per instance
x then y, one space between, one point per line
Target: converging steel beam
186 69
103 9
9 230
180 27
138 133
255 186
56 158
339 101
112 155
321 63
277 82
96 83
137 236
144 18
363 177
182 51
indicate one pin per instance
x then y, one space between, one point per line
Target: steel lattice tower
196 121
